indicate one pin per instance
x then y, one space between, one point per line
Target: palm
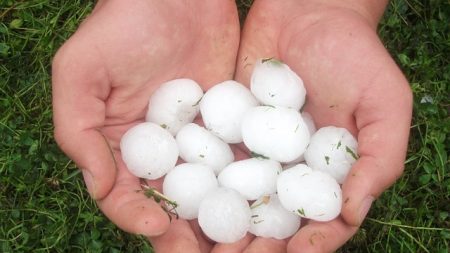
351 82
104 75
148 45
323 53
155 42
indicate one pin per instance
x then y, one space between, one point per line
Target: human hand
102 79
351 82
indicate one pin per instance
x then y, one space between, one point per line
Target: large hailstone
223 107
174 104
148 150
198 145
312 129
252 178
224 215
309 193
271 219
332 150
274 83
275 132
187 184
309 122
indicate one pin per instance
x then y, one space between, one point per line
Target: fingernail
364 208
89 181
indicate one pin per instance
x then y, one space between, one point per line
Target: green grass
44 206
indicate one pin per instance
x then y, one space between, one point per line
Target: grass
44 206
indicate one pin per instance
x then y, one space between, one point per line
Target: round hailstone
252 178
311 129
275 132
198 145
309 122
224 215
274 83
174 104
148 150
271 219
332 150
309 193
223 107
187 184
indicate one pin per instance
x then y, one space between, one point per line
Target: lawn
44 206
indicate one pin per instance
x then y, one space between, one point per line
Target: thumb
90 150
383 119
79 87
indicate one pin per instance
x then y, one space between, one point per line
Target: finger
79 90
319 237
383 119
236 247
128 207
266 245
178 238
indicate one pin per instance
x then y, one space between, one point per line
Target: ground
44 206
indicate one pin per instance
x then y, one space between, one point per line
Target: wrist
370 10
99 4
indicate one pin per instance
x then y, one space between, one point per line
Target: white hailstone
271 219
275 132
332 150
224 215
309 193
187 184
252 178
223 107
198 145
311 129
274 83
174 104
148 150
309 122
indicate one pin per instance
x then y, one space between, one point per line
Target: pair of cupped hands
105 73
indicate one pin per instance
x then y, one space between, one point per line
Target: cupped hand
351 82
103 77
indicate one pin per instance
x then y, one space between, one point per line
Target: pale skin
104 74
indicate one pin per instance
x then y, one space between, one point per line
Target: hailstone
224 215
198 145
187 184
271 219
275 132
309 122
332 150
148 150
274 83
223 107
312 129
174 104
309 193
252 178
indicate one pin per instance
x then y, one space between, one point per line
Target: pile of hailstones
214 188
